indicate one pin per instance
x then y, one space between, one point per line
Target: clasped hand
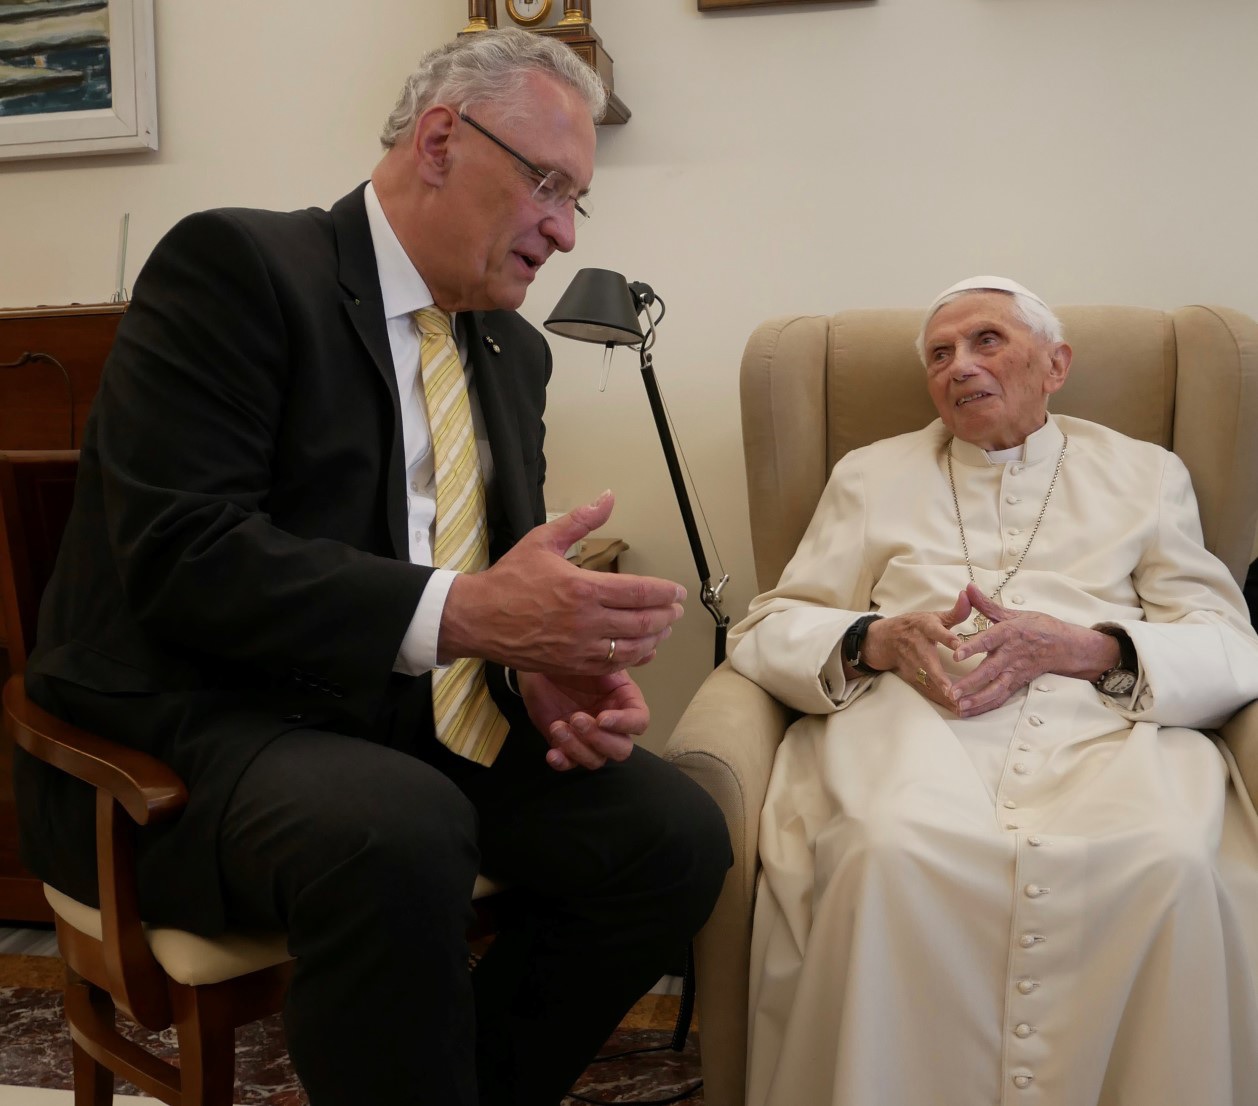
587 720
1019 646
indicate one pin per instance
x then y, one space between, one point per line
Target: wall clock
566 20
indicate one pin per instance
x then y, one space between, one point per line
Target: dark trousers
366 854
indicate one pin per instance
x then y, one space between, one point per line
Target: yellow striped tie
467 719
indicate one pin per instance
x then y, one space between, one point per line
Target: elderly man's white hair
1028 307
490 66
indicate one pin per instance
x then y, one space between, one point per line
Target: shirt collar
1044 443
401 287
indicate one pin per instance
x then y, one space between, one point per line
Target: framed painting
76 77
721 5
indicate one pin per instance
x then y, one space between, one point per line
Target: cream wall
805 158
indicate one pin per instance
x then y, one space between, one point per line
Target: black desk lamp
600 306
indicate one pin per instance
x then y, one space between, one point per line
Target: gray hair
490 66
1033 314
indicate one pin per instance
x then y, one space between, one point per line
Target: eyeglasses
554 189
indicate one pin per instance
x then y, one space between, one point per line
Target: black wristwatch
854 642
1120 679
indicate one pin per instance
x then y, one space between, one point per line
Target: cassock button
1024 747
1018 600
1023 1030
1036 720
1035 839
492 345
1034 890
1011 825
1022 1081
1015 470
1026 986
1010 805
1030 940
1021 768
1011 499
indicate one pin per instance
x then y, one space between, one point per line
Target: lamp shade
597 307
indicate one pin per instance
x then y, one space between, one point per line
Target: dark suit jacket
235 564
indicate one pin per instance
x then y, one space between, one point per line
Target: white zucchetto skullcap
982 284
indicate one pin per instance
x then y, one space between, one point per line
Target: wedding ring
923 678
611 650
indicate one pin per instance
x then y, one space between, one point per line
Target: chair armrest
124 780
148 790
1240 733
726 742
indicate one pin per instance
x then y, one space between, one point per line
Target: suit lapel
492 372
364 307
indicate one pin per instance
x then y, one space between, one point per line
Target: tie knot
432 320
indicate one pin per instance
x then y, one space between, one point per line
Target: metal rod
674 468
709 593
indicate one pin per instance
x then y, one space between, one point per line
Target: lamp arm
709 593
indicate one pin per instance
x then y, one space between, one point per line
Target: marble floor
42 1096
34 1044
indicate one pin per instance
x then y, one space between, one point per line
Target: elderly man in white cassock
1001 863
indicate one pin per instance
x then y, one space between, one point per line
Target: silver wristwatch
1120 679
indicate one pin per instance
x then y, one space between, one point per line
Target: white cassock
1054 903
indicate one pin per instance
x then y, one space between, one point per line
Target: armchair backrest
815 386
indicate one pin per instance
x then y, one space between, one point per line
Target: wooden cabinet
43 405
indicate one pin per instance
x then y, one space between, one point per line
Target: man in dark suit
247 589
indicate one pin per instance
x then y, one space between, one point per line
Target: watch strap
854 643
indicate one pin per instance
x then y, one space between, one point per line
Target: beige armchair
814 387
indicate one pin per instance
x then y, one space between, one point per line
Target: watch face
528 12
1117 681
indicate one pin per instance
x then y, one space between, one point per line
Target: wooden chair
159 977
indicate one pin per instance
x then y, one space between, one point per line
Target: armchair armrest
149 792
1240 733
726 742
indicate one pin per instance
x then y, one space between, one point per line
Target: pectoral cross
981 623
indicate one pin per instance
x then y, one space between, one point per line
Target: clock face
529 13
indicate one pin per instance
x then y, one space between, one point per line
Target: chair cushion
194 960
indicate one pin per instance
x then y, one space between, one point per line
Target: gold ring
611 650
923 678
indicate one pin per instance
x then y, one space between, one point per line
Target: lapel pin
491 344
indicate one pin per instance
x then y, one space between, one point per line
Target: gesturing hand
536 611
588 720
906 645
1021 645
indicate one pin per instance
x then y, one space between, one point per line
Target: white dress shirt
404 292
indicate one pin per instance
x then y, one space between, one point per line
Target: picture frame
723 5
76 77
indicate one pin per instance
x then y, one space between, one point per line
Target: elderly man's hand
535 611
1021 645
588 720
906 645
